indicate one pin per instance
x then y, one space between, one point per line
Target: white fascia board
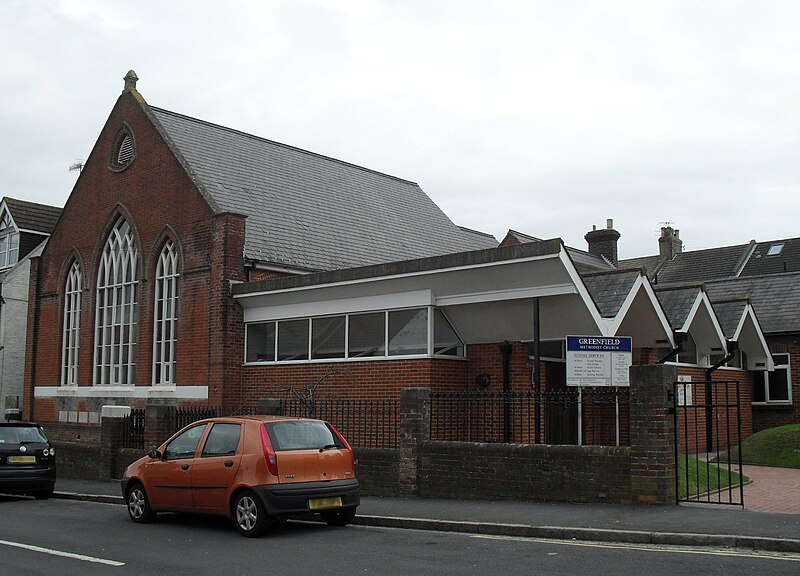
703 303
243 297
642 283
603 325
413 299
512 294
39 232
749 317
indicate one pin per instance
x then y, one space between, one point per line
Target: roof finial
130 80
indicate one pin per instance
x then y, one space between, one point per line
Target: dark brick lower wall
377 470
524 472
77 460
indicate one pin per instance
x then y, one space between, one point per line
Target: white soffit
702 323
751 340
643 319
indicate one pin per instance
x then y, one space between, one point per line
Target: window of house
260 342
72 327
327 337
362 335
117 308
9 241
773 387
445 340
293 340
688 353
367 335
775 249
165 315
408 332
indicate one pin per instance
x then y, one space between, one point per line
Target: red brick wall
159 200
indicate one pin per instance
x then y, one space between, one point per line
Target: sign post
598 361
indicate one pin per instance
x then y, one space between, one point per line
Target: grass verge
778 446
704 477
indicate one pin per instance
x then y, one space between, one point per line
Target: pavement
770 523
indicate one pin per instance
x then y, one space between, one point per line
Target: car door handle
228 463
184 466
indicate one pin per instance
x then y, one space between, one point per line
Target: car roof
18 423
259 418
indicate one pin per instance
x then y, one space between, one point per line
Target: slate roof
609 289
775 298
309 211
693 266
584 262
729 314
31 216
677 303
787 260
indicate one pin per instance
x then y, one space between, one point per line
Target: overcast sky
542 117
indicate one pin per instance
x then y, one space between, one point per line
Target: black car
27 460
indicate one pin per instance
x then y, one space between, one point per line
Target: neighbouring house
759 283
24 227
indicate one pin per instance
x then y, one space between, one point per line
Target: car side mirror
154 454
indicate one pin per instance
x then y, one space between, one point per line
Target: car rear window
302 435
21 434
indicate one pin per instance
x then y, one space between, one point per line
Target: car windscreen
302 435
21 435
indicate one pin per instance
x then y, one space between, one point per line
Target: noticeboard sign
598 360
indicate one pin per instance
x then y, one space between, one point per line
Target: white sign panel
598 361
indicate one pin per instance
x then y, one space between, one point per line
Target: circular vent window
123 151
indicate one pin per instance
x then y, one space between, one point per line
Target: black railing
133 430
185 416
364 423
587 416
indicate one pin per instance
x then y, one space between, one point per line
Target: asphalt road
66 538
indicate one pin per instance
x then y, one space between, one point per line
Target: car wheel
44 495
338 517
138 505
249 515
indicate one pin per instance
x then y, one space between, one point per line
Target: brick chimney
604 242
669 244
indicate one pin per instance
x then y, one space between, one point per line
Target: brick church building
194 264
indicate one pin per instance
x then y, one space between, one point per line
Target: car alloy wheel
138 506
249 515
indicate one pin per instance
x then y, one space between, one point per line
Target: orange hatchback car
253 469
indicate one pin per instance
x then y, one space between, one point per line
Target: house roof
785 258
775 298
729 314
308 211
33 217
693 266
677 303
584 261
610 289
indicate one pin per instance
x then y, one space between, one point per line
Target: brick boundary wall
641 473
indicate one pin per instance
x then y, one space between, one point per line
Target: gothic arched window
72 327
117 308
165 315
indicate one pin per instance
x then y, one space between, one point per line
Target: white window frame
9 241
117 309
72 326
788 368
347 358
165 317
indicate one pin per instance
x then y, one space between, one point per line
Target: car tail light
269 452
346 445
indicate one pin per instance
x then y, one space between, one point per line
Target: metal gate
708 431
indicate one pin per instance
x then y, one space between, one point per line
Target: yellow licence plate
21 459
319 503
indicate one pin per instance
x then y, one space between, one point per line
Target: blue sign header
599 344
